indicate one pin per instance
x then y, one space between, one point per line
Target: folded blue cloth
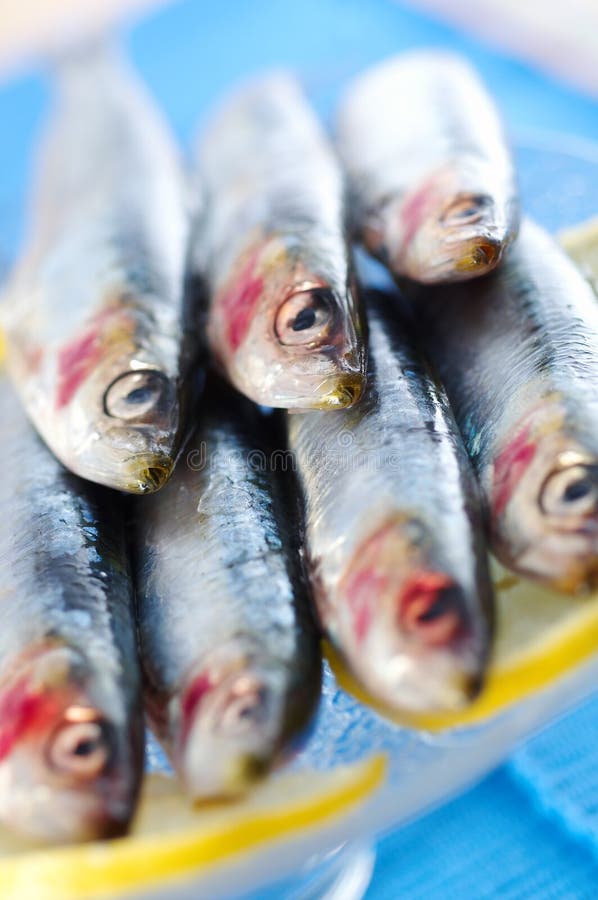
530 830
558 770
514 836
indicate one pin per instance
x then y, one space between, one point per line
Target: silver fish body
431 179
71 730
282 317
95 311
518 353
229 650
393 532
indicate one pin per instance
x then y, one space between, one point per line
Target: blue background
531 828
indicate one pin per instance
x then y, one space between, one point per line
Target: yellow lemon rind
113 867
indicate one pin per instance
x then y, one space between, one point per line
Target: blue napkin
530 830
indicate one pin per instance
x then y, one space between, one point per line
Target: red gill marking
238 301
418 596
192 698
509 467
22 712
75 362
366 582
362 590
415 208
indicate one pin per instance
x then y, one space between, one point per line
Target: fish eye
414 531
570 491
136 395
465 210
80 749
305 317
245 707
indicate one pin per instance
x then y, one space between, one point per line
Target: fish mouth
586 583
339 393
237 777
108 829
575 574
482 256
472 686
407 684
468 259
152 476
248 770
101 827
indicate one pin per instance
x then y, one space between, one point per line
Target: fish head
416 637
117 408
67 771
232 716
285 336
544 502
442 231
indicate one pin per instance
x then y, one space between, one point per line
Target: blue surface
494 841
531 829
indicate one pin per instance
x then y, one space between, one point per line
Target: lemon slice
172 840
581 243
540 636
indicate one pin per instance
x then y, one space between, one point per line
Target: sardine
229 650
393 532
95 308
71 730
518 353
282 317
431 179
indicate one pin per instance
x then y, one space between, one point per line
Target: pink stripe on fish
362 591
415 209
509 467
22 712
238 301
75 362
192 698
366 583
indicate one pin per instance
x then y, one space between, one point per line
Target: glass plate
559 182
